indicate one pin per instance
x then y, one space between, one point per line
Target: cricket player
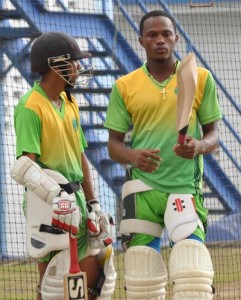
52 165
164 184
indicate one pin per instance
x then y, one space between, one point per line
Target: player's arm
145 159
210 140
207 144
31 155
99 225
87 184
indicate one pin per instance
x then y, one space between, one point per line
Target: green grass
18 279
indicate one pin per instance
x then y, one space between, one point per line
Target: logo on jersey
75 124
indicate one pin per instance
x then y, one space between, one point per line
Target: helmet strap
67 91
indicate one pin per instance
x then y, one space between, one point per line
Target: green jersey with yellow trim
138 101
54 136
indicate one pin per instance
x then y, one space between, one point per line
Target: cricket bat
75 283
186 83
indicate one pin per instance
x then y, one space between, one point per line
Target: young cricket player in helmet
52 165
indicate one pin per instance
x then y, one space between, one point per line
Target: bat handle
181 139
74 260
182 135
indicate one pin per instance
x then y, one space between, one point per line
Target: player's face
74 73
158 38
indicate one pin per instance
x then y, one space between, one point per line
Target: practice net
109 29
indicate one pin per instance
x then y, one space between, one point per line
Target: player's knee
145 274
191 271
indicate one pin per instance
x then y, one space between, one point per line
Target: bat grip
74 260
182 135
181 139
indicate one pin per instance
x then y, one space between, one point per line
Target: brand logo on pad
179 204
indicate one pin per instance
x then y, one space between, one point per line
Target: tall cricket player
164 184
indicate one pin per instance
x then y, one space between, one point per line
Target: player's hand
146 160
100 226
188 150
66 214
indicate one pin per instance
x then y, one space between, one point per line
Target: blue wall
177 1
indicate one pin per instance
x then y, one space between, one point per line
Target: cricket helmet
56 46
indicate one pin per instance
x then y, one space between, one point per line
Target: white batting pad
39 213
180 217
145 274
52 287
191 271
105 258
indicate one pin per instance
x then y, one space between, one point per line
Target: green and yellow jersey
54 136
138 101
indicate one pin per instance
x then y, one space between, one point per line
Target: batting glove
66 215
100 226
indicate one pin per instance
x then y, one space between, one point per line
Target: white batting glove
66 215
100 226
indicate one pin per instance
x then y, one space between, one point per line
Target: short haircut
156 13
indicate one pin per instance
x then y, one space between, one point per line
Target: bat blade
186 84
75 283
75 287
